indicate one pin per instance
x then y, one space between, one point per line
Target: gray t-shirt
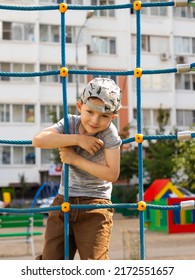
82 183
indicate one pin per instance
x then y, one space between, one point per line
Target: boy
92 150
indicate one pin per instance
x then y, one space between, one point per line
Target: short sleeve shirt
81 183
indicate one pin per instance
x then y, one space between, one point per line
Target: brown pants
89 231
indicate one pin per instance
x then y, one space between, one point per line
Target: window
184 12
4 113
25 155
29 112
18 31
17 155
5 67
71 34
114 78
23 113
46 156
7 30
72 77
5 155
159 44
150 117
185 118
17 113
146 118
16 67
153 11
146 43
44 33
153 44
103 13
49 33
51 113
75 2
103 45
182 45
157 82
158 11
50 78
185 82
69 2
55 34
29 155
193 45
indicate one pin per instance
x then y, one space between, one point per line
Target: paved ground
124 244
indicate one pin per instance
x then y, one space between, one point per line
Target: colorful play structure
161 193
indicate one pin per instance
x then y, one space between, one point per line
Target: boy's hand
90 144
67 155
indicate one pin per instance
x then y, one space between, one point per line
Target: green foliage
162 119
23 183
129 159
129 164
184 164
158 162
125 193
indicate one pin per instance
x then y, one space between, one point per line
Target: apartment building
167 40
95 40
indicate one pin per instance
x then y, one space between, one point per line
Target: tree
129 165
162 119
184 164
158 162
129 158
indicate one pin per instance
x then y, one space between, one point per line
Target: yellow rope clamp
137 5
64 72
141 206
65 207
138 72
139 138
63 7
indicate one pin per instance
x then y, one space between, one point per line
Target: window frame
23 151
11 31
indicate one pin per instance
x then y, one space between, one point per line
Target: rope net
139 137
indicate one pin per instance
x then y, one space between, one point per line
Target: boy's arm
50 138
109 171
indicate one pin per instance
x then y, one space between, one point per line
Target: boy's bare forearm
99 170
108 171
50 139
53 140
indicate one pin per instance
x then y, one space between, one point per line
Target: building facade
96 40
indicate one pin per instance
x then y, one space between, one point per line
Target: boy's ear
79 106
115 116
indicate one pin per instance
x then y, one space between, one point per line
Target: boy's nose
95 119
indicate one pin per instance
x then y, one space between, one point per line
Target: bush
125 193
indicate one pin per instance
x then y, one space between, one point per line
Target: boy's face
94 121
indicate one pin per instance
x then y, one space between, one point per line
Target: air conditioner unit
164 56
181 59
89 49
